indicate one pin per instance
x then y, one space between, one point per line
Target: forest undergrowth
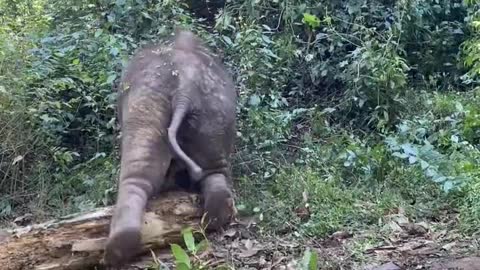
349 111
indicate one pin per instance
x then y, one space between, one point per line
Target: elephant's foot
122 246
124 240
218 201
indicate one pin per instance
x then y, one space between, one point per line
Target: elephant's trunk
179 112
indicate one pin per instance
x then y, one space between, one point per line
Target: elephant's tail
179 112
185 41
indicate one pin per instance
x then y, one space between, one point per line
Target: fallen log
77 241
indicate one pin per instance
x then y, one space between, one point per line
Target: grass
351 181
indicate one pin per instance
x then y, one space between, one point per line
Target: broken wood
77 241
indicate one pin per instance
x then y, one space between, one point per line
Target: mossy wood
77 241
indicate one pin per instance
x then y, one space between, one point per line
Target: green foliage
378 82
340 109
470 46
311 20
182 258
352 188
470 206
310 260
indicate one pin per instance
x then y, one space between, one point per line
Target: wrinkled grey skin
169 93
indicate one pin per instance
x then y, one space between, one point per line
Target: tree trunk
77 241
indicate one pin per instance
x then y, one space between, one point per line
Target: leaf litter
400 244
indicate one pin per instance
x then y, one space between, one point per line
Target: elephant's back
147 83
151 67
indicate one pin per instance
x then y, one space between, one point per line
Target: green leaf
409 149
310 260
114 51
400 155
254 100
189 240
439 178
313 263
328 20
227 40
180 255
182 266
270 53
98 33
111 78
147 16
202 246
424 165
447 186
311 20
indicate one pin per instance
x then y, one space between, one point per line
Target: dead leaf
291 265
230 232
23 220
219 254
303 213
247 221
341 235
453 236
249 249
414 229
400 219
423 224
287 244
248 244
305 196
449 246
248 253
277 262
411 246
439 235
394 226
262 261
235 244
17 159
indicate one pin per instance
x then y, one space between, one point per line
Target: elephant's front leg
144 162
218 201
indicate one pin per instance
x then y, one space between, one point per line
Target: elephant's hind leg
218 201
144 163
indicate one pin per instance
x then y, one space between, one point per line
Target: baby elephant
176 106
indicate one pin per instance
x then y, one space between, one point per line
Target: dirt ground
398 245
